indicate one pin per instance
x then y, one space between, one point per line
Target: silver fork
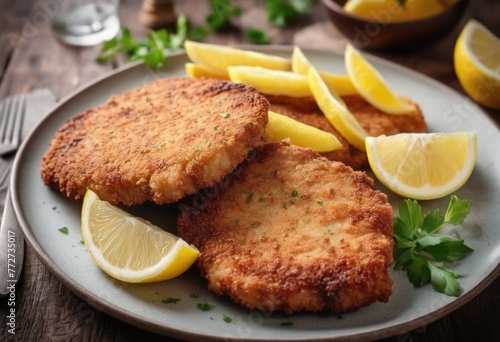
4 178
11 237
11 120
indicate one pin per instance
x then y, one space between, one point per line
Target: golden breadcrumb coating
158 142
290 231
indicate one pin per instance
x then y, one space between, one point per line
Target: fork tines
11 120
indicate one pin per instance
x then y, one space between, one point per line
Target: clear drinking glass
86 22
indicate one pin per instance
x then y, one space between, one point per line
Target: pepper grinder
158 13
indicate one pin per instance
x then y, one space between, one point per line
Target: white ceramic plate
43 211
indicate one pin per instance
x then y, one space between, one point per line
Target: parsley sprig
153 50
282 13
222 13
420 250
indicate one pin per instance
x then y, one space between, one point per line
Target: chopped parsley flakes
204 306
64 230
170 300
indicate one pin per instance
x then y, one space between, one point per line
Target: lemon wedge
341 84
419 9
196 71
423 166
336 111
280 127
477 63
373 9
217 57
371 84
393 11
273 82
129 248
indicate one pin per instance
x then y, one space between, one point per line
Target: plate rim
171 331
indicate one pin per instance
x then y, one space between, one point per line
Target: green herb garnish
194 295
294 193
419 248
226 318
286 323
205 306
256 36
170 300
222 13
283 12
153 50
64 230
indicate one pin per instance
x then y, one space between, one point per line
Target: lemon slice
386 10
129 248
196 71
336 111
300 63
341 84
273 82
371 84
217 57
280 127
477 64
419 9
423 165
393 11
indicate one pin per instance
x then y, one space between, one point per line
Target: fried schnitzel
158 142
374 121
290 231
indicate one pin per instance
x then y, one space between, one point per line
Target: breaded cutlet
374 121
158 142
290 231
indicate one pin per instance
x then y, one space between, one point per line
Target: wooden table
30 58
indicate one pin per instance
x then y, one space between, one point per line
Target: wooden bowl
381 34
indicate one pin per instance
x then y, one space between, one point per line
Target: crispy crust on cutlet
292 231
374 121
158 142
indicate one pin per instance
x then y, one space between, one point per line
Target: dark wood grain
31 58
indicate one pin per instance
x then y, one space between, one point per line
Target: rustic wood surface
30 58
